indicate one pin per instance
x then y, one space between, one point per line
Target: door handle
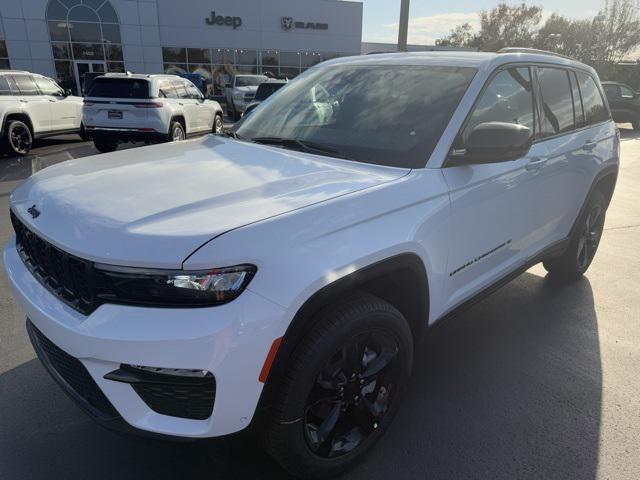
589 145
535 163
52 101
180 104
22 100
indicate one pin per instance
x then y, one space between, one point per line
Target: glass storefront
218 65
4 56
85 39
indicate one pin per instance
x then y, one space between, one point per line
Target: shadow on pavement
509 389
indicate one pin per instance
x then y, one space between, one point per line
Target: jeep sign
287 23
214 19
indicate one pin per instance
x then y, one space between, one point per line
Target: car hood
153 206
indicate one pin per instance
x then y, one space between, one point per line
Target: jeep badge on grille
35 213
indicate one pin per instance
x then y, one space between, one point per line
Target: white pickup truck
239 93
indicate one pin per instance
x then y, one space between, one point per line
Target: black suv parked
624 103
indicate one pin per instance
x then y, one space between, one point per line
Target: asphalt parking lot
537 381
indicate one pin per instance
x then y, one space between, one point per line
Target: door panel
492 231
65 111
35 105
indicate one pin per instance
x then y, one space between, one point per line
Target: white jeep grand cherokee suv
136 107
34 106
281 278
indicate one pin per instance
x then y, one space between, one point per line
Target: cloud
426 30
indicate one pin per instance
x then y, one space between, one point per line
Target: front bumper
231 341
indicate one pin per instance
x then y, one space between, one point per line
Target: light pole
404 25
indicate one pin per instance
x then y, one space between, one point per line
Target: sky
433 19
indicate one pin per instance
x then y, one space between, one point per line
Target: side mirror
67 92
492 142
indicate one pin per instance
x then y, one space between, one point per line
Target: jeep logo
214 19
287 24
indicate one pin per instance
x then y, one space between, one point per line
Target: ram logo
286 22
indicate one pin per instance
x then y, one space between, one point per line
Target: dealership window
218 65
4 56
85 38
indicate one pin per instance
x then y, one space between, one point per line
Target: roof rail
531 50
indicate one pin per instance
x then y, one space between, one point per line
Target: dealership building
64 39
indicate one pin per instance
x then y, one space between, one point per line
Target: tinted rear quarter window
595 109
26 85
119 88
577 100
557 102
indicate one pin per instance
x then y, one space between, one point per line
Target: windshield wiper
230 133
301 145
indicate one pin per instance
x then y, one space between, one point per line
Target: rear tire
18 138
105 146
575 261
176 132
330 407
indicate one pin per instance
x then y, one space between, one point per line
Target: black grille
75 376
185 400
66 276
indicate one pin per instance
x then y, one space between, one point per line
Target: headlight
172 287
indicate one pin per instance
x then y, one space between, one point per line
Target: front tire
342 388
18 137
104 145
575 261
83 133
218 123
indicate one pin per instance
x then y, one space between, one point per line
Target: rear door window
5 89
119 88
508 98
166 89
26 85
595 110
181 91
557 102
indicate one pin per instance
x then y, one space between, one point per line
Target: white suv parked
135 107
34 106
282 277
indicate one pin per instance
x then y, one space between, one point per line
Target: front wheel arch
400 280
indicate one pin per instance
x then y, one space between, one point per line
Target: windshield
266 89
250 80
119 88
384 114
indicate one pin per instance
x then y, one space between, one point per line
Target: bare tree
461 36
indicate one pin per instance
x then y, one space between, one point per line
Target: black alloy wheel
351 395
341 388
590 236
19 137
